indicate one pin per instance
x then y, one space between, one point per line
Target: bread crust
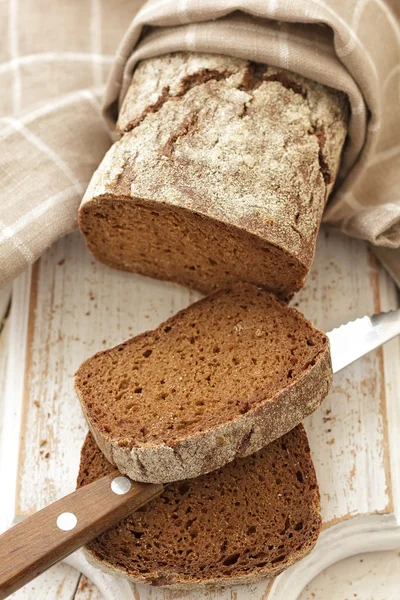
220 582
247 146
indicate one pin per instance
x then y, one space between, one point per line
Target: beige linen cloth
57 55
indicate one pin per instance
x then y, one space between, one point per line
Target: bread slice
251 519
221 174
220 379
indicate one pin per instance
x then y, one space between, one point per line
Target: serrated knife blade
356 338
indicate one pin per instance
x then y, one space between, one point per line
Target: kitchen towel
56 58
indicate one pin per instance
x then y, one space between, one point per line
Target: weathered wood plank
86 590
348 434
11 405
58 583
390 258
390 299
78 307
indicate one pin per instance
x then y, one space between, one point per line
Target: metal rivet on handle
66 521
121 485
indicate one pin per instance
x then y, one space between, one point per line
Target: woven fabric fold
350 45
56 58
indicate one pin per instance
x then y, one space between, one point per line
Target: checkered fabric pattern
57 55
56 58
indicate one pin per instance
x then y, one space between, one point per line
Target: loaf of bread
222 174
220 379
251 519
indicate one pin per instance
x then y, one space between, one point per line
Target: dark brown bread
251 519
222 173
220 379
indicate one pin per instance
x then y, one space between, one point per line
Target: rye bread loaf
251 519
222 174
220 379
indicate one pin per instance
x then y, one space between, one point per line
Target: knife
351 341
48 536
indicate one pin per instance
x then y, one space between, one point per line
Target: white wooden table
68 307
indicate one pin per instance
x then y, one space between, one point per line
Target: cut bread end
148 237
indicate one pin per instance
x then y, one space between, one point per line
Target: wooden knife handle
49 535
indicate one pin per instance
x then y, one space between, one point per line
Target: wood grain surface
60 582
78 307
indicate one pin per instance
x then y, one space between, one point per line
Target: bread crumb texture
251 519
220 378
222 173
